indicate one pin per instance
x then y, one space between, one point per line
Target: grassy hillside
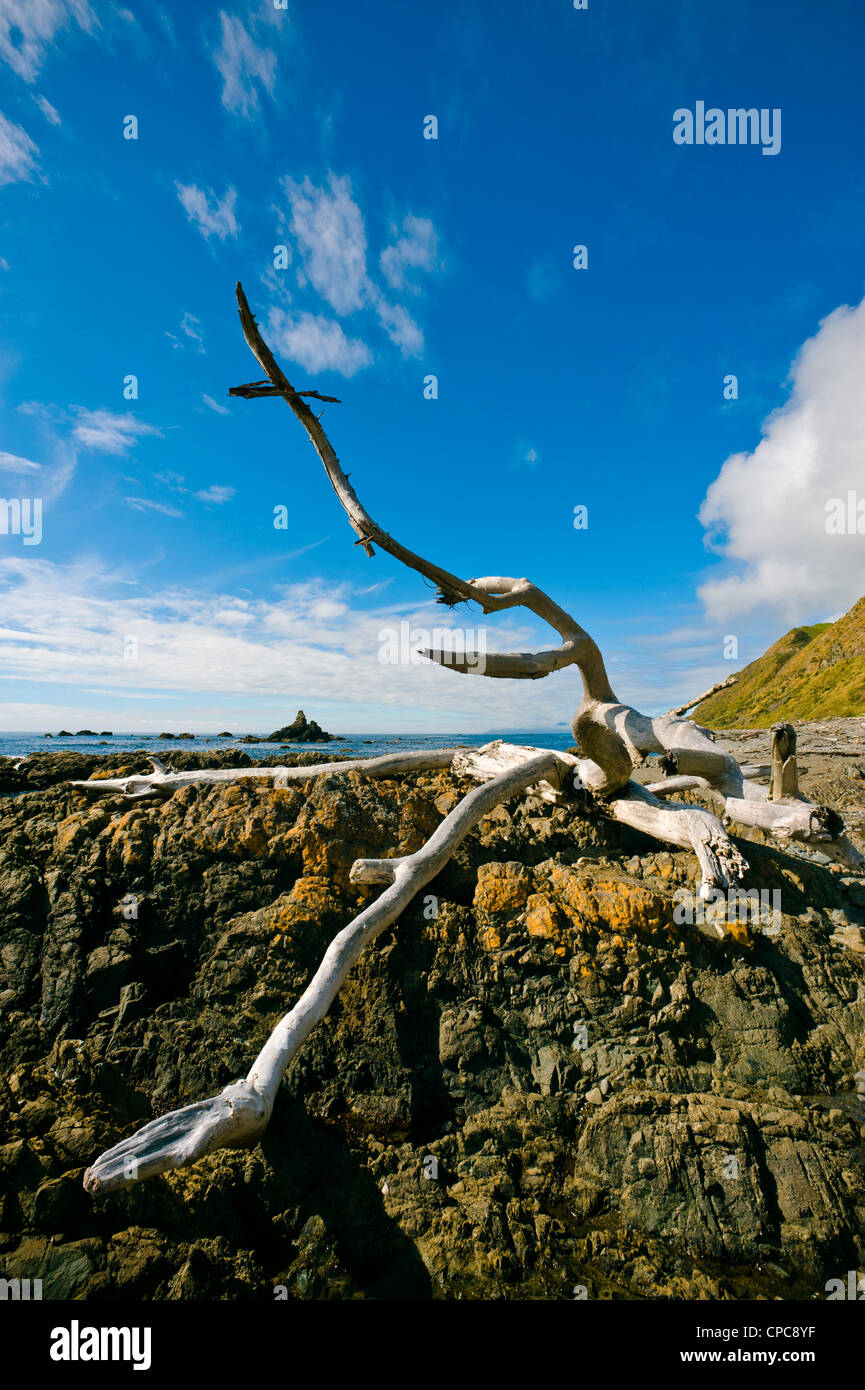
812 673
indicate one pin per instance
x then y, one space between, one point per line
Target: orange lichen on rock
544 918
616 903
503 888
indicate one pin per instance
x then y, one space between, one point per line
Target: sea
18 745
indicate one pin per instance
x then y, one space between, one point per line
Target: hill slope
812 673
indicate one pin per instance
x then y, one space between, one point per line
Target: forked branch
492 594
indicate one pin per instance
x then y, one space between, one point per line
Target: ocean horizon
18 744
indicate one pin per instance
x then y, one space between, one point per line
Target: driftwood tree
613 739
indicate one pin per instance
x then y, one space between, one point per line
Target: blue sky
407 257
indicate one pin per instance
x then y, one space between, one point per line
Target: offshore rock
300 730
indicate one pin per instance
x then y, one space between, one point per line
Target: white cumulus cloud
317 343
766 511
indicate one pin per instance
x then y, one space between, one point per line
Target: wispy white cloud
214 217
214 405
215 495
147 504
415 248
58 457
246 64
172 480
329 235
190 327
18 153
766 512
107 433
328 227
525 457
71 624
28 29
399 326
212 496
51 114
11 463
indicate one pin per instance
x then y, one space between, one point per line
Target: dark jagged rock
300 730
46 769
535 1080
86 733
64 733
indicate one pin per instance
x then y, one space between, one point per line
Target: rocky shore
538 1082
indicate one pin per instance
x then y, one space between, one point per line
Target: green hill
812 673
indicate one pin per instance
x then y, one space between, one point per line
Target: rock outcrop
300 730
537 1081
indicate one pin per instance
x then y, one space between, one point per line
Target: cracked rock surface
538 1082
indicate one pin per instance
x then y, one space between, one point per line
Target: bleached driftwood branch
162 783
719 685
687 827
779 810
613 739
241 1112
721 863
